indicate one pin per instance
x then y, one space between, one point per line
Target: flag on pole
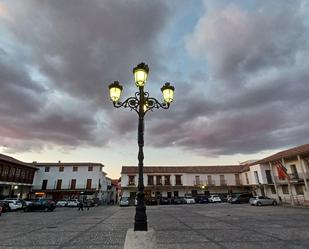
282 171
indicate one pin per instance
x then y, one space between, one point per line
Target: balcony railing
199 183
293 177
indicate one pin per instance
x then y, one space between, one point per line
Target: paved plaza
196 226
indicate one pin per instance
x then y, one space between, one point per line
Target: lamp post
141 103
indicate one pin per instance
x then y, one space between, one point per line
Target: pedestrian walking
81 206
88 203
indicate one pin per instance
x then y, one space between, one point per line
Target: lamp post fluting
141 103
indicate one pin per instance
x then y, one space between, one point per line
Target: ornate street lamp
141 103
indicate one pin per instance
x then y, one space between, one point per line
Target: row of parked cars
126 201
12 204
233 199
74 203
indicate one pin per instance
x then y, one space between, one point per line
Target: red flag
282 171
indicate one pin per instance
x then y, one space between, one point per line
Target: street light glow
168 93
115 90
140 74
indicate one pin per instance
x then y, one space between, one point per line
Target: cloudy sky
240 69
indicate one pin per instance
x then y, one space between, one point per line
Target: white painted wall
67 175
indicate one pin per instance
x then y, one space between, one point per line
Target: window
59 182
89 182
285 189
23 174
73 183
75 168
222 180
167 180
90 168
44 184
237 180
197 180
17 173
175 193
268 177
209 180
12 172
5 171
132 180
256 175
61 169
46 169
273 189
150 180
178 179
299 189
159 180
294 172
247 179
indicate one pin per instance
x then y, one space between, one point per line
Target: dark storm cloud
256 95
76 48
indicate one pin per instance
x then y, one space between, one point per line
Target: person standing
81 206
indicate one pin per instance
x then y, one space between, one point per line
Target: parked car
262 200
151 201
14 204
241 198
179 200
41 204
165 201
189 200
5 206
201 199
0 210
214 198
124 202
73 203
62 203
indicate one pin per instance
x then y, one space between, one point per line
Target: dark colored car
241 198
151 201
201 199
179 200
165 201
5 206
41 204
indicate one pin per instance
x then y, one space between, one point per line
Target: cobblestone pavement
198 226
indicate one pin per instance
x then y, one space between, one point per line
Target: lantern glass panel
140 76
115 93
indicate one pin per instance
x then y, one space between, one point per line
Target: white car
62 203
73 203
15 204
124 201
189 200
214 198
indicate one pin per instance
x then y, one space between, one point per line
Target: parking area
193 226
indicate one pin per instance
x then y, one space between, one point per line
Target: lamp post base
140 239
140 223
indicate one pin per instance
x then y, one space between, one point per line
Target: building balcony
199 183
